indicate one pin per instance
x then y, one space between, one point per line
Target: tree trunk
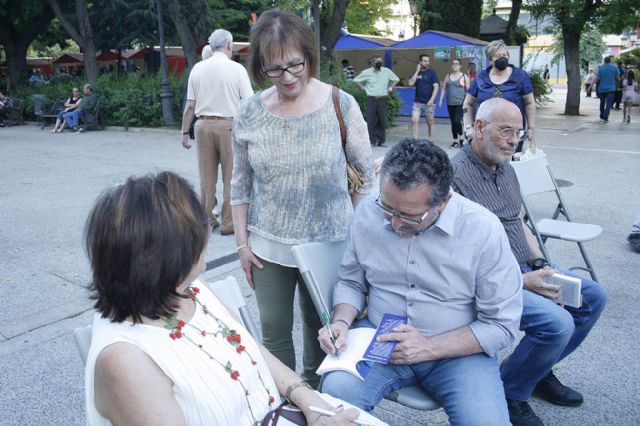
16 63
187 38
513 21
17 42
331 31
572 60
83 35
89 47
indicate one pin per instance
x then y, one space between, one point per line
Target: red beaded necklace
178 330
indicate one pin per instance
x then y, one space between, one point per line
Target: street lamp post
413 5
165 90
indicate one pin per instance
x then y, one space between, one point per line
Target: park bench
46 113
14 109
91 118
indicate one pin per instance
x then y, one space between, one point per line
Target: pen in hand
327 322
329 413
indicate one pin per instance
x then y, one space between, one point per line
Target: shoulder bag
354 176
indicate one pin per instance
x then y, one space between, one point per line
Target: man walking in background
377 82
426 81
214 91
607 79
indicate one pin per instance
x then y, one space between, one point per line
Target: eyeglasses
403 217
507 132
279 72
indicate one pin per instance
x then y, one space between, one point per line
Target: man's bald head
496 131
495 107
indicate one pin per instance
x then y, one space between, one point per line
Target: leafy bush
131 101
541 89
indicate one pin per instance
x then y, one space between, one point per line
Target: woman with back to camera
629 95
501 80
72 103
455 85
164 350
289 183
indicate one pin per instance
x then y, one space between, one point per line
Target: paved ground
49 183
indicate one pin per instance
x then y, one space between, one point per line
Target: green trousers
275 287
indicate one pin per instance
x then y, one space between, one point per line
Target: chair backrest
226 290
229 293
318 264
38 104
82 336
533 176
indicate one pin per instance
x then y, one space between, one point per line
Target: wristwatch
538 263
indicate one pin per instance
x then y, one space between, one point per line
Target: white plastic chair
535 177
226 290
318 264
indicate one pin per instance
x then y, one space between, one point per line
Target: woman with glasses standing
501 80
289 182
455 85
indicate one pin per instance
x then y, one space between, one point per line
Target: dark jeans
606 100
617 98
589 88
455 115
552 333
376 118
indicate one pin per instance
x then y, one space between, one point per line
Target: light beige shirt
217 85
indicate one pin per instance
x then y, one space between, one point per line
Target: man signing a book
483 174
419 251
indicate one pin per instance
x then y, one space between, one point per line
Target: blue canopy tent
358 49
441 47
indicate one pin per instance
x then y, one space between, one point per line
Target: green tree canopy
456 16
362 15
591 48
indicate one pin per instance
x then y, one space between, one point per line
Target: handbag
354 176
284 415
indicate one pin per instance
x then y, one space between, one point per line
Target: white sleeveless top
203 389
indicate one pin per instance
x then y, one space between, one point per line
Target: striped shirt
497 190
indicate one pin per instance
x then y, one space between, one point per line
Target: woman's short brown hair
275 31
143 238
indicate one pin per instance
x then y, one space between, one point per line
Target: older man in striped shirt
483 174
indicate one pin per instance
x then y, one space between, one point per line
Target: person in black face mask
501 80
377 82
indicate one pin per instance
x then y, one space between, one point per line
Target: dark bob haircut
143 238
276 31
416 162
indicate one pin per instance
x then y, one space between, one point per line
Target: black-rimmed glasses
279 72
403 217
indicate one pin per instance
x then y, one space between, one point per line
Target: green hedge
134 100
131 101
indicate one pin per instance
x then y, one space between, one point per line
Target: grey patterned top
292 170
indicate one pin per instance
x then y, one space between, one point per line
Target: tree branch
75 35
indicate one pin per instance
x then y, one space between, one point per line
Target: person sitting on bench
87 103
72 104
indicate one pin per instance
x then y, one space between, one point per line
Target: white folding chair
318 264
535 177
226 290
82 336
